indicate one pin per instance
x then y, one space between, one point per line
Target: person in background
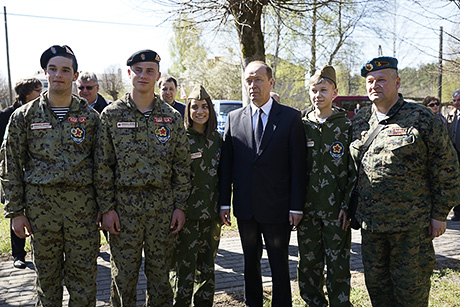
434 104
47 179
198 241
408 181
168 90
88 88
275 96
453 127
263 158
26 90
323 232
142 180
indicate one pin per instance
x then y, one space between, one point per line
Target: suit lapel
272 124
247 121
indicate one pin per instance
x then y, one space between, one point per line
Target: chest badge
337 150
77 134
163 133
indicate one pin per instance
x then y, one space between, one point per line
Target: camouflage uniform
143 174
47 175
331 177
409 175
198 241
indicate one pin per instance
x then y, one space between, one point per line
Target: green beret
199 93
327 72
378 63
146 55
57 50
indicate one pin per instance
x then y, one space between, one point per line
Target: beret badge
143 57
53 50
369 67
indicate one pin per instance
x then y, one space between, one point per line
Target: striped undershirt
147 114
60 112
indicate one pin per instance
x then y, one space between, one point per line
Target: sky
35 25
106 32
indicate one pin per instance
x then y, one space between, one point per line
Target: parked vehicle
222 108
350 103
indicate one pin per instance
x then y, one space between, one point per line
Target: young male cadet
47 177
263 156
407 183
143 182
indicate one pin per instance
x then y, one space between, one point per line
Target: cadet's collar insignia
369 67
397 131
337 150
77 134
218 155
163 133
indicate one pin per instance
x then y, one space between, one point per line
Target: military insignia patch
380 64
143 57
77 134
369 67
337 150
397 131
53 50
163 134
218 154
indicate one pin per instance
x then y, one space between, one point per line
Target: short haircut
455 93
87 76
25 86
268 69
167 79
211 125
429 99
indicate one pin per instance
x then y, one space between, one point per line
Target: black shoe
455 218
19 263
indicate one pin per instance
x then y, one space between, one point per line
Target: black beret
146 55
378 63
57 50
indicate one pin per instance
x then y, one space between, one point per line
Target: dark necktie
259 130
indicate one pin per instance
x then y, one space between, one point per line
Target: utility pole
440 67
8 58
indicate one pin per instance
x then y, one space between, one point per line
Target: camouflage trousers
195 254
398 267
145 216
321 240
65 243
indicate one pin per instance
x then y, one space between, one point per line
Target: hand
294 219
344 219
18 223
111 222
225 216
177 221
436 228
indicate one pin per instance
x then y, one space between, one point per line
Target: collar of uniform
76 103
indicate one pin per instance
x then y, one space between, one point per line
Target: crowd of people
158 178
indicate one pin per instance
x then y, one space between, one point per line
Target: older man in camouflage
47 177
408 182
143 181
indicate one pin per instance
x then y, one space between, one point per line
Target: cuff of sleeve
296 212
224 207
12 215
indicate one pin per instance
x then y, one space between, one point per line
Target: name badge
127 125
310 143
40 126
196 155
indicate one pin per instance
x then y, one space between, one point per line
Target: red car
351 103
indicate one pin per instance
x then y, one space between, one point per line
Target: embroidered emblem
218 155
337 150
369 67
380 64
72 119
82 119
53 50
77 134
142 57
163 134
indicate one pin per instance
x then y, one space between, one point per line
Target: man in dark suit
168 90
88 88
263 156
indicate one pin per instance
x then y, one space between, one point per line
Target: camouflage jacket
205 155
135 152
38 149
331 172
410 172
